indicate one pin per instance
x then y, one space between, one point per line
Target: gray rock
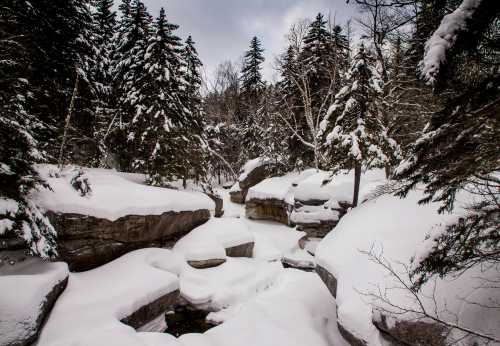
151 311
86 242
329 280
268 209
209 263
243 250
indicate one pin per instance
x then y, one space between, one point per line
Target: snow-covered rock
395 229
208 245
252 173
120 215
134 289
29 287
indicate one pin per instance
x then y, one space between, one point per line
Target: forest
375 150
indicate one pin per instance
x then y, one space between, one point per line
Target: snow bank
24 287
114 195
235 281
339 188
210 240
396 229
278 187
296 311
90 309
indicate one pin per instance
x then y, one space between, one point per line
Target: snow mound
251 165
236 280
280 188
339 187
114 195
210 240
24 287
395 229
90 309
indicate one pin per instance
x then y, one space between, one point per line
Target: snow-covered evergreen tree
104 21
19 150
357 137
251 77
129 69
192 75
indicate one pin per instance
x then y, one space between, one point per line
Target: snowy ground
255 300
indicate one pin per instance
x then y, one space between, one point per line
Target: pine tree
192 75
104 20
129 69
357 137
458 150
251 77
19 150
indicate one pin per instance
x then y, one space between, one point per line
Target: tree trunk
357 181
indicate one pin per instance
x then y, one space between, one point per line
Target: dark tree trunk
357 181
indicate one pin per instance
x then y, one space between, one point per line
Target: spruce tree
357 137
129 68
251 78
19 149
192 76
104 20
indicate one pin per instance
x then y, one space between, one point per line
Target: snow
24 286
340 187
210 240
395 229
236 280
90 309
278 187
114 195
444 38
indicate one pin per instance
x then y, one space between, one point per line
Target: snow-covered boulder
395 230
29 287
119 215
208 245
252 173
272 199
321 200
105 306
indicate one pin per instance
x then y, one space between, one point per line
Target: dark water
184 321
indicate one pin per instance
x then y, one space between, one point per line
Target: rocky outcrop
237 196
405 333
242 250
219 204
249 180
317 217
86 242
351 339
32 286
268 209
329 280
151 311
208 263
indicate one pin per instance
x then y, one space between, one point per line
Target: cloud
222 29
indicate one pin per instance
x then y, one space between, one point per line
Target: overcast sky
222 29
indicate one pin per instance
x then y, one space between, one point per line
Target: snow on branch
444 38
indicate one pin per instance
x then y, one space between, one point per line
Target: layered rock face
147 313
317 217
268 209
86 242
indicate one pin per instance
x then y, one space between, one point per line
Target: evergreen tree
104 32
129 69
192 76
358 137
251 77
459 147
